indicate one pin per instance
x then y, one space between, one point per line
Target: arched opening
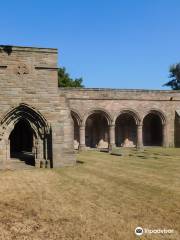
76 132
21 142
27 137
152 130
96 131
125 131
177 129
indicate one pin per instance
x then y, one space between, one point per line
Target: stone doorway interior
21 143
152 130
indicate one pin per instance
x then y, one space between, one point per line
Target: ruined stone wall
29 76
29 90
114 101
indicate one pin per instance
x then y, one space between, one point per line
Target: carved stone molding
3 66
21 69
46 68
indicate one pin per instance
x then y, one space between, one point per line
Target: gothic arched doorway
27 137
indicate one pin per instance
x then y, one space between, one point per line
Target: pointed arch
29 116
23 111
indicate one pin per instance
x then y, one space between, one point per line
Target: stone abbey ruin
42 124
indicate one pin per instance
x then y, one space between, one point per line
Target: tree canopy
64 80
174 76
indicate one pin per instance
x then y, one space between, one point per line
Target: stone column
6 154
8 157
45 151
82 137
39 162
47 162
139 136
164 136
111 136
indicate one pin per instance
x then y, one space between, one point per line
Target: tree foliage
64 80
174 76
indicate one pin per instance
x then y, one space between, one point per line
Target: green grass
103 197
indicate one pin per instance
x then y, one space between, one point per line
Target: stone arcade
41 124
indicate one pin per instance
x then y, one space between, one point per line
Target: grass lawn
103 197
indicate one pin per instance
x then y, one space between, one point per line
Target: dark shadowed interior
96 131
125 130
21 142
152 130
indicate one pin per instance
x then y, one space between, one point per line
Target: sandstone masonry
48 122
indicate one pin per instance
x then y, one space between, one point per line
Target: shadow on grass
79 162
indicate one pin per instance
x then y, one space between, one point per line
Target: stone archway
97 131
26 130
76 123
125 130
153 130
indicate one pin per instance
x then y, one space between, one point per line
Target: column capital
112 125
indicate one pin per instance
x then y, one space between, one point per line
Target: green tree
174 76
64 80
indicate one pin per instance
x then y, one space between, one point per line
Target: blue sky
114 44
